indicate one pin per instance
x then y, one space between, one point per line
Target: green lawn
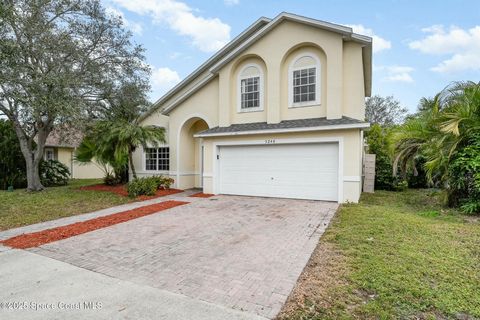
393 256
20 208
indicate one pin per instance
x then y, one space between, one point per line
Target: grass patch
398 255
20 208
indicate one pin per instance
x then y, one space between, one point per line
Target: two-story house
278 112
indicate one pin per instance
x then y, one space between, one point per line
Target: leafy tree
377 141
385 111
58 58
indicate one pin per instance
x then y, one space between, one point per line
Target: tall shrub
12 163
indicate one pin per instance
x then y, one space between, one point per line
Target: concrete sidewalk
62 291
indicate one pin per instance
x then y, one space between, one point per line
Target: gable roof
247 38
64 137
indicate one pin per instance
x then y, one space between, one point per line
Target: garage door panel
304 171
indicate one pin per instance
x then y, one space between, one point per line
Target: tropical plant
125 137
148 185
89 152
106 141
142 186
444 132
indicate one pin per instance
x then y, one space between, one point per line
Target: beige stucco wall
78 170
276 50
156 119
351 156
216 103
64 155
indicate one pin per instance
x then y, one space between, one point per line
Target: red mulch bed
35 239
201 195
122 191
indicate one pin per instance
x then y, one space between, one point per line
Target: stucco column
335 83
224 98
272 87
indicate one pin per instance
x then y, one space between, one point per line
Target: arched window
250 88
304 81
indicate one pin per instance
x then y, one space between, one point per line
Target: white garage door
300 171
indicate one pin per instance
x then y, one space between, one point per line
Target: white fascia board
205 65
304 129
346 31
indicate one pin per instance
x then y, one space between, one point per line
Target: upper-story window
304 81
250 88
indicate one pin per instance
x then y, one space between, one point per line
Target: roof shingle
286 124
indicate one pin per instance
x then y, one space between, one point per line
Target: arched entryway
190 154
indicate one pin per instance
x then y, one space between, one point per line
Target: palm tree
125 137
442 129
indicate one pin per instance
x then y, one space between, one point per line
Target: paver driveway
244 253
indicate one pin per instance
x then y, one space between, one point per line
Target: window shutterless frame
156 159
300 77
248 82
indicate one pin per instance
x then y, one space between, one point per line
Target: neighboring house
61 145
278 112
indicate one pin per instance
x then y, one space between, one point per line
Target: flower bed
201 195
122 191
35 239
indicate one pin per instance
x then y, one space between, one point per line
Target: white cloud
207 34
135 27
231 2
396 73
463 47
379 43
163 79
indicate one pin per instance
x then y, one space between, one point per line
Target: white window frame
260 88
318 87
144 159
45 151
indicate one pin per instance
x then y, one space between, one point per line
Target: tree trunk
33 175
130 160
32 157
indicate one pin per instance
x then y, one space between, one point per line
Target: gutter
286 130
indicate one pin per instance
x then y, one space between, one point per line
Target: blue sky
419 46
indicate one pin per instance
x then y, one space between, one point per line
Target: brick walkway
240 252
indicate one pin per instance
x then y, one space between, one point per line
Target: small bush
162 182
401 185
471 207
111 179
54 173
142 186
